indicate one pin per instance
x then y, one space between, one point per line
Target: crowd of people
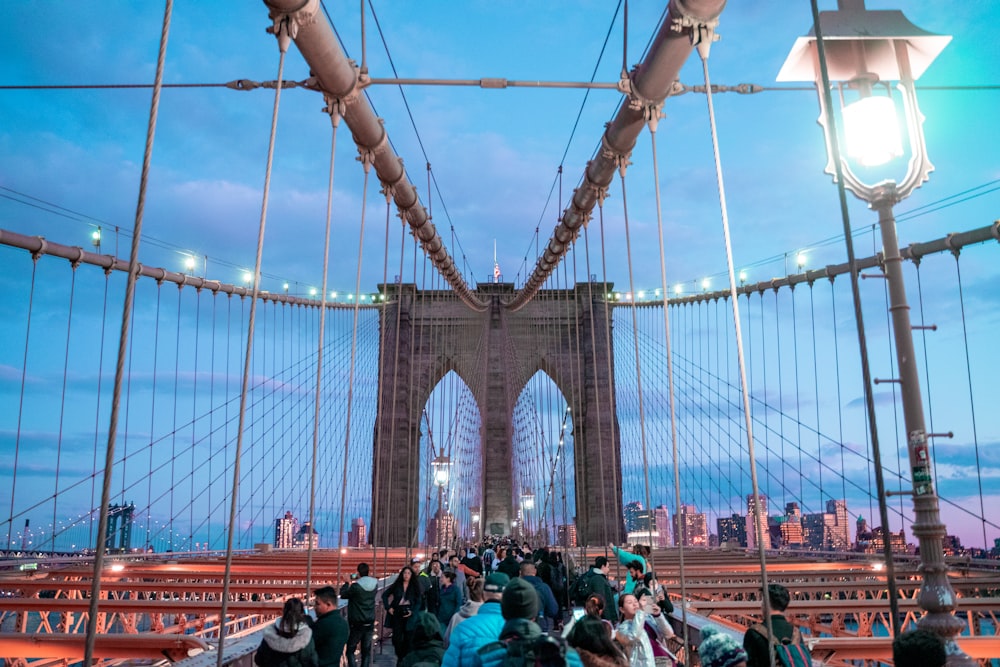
504 604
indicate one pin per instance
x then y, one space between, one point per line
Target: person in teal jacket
629 560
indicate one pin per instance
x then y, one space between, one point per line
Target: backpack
541 651
787 652
582 589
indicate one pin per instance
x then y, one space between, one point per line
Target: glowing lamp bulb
189 263
247 277
871 131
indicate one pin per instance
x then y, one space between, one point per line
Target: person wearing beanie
427 647
718 649
519 605
478 630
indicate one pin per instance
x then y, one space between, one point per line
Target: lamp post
475 516
863 52
440 471
527 504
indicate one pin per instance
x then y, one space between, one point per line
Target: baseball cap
496 582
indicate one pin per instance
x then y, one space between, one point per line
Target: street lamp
863 53
476 516
440 473
527 504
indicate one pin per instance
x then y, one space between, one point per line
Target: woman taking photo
402 602
657 628
631 631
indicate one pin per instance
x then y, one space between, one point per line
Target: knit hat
718 649
496 582
520 600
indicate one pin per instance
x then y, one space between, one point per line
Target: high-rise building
791 526
752 523
567 535
358 537
732 530
284 531
635 517
305 535
661 517
691 527
841 538
441 529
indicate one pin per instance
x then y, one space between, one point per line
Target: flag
496 272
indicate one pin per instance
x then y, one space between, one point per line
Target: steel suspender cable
367 159
972 402
20 402
133 275
333 107
62 405
588 539
280 29
622 165
653 122
704 44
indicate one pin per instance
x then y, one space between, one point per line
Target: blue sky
494 153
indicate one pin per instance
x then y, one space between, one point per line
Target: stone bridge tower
565 333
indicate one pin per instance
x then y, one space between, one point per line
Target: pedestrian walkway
383 655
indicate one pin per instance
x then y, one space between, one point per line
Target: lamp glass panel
871 131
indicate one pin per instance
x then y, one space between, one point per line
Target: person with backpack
596 581
789 651
360 596
717 649
522 642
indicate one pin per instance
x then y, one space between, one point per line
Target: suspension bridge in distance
749 431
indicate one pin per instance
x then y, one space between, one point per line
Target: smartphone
578 613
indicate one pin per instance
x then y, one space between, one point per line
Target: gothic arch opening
544 464
451 476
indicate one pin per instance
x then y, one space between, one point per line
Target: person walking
330 630
468 610
450 599
402 601
549 612
428 646
755 640
479 630
288 642
360 596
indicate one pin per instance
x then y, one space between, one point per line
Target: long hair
292 615
594 605
399 588
593 635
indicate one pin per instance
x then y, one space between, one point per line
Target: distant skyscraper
661 516
441 529
358 536
752 523
841 539
791 526
284 531
305 535
691 527
733 529
635 517
567 535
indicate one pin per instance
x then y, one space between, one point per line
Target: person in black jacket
330 630
360 596
402 601
757 644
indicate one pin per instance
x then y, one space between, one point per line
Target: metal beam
339 79
647 86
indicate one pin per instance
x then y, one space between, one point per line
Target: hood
287 644
428 628
470 608
367 583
